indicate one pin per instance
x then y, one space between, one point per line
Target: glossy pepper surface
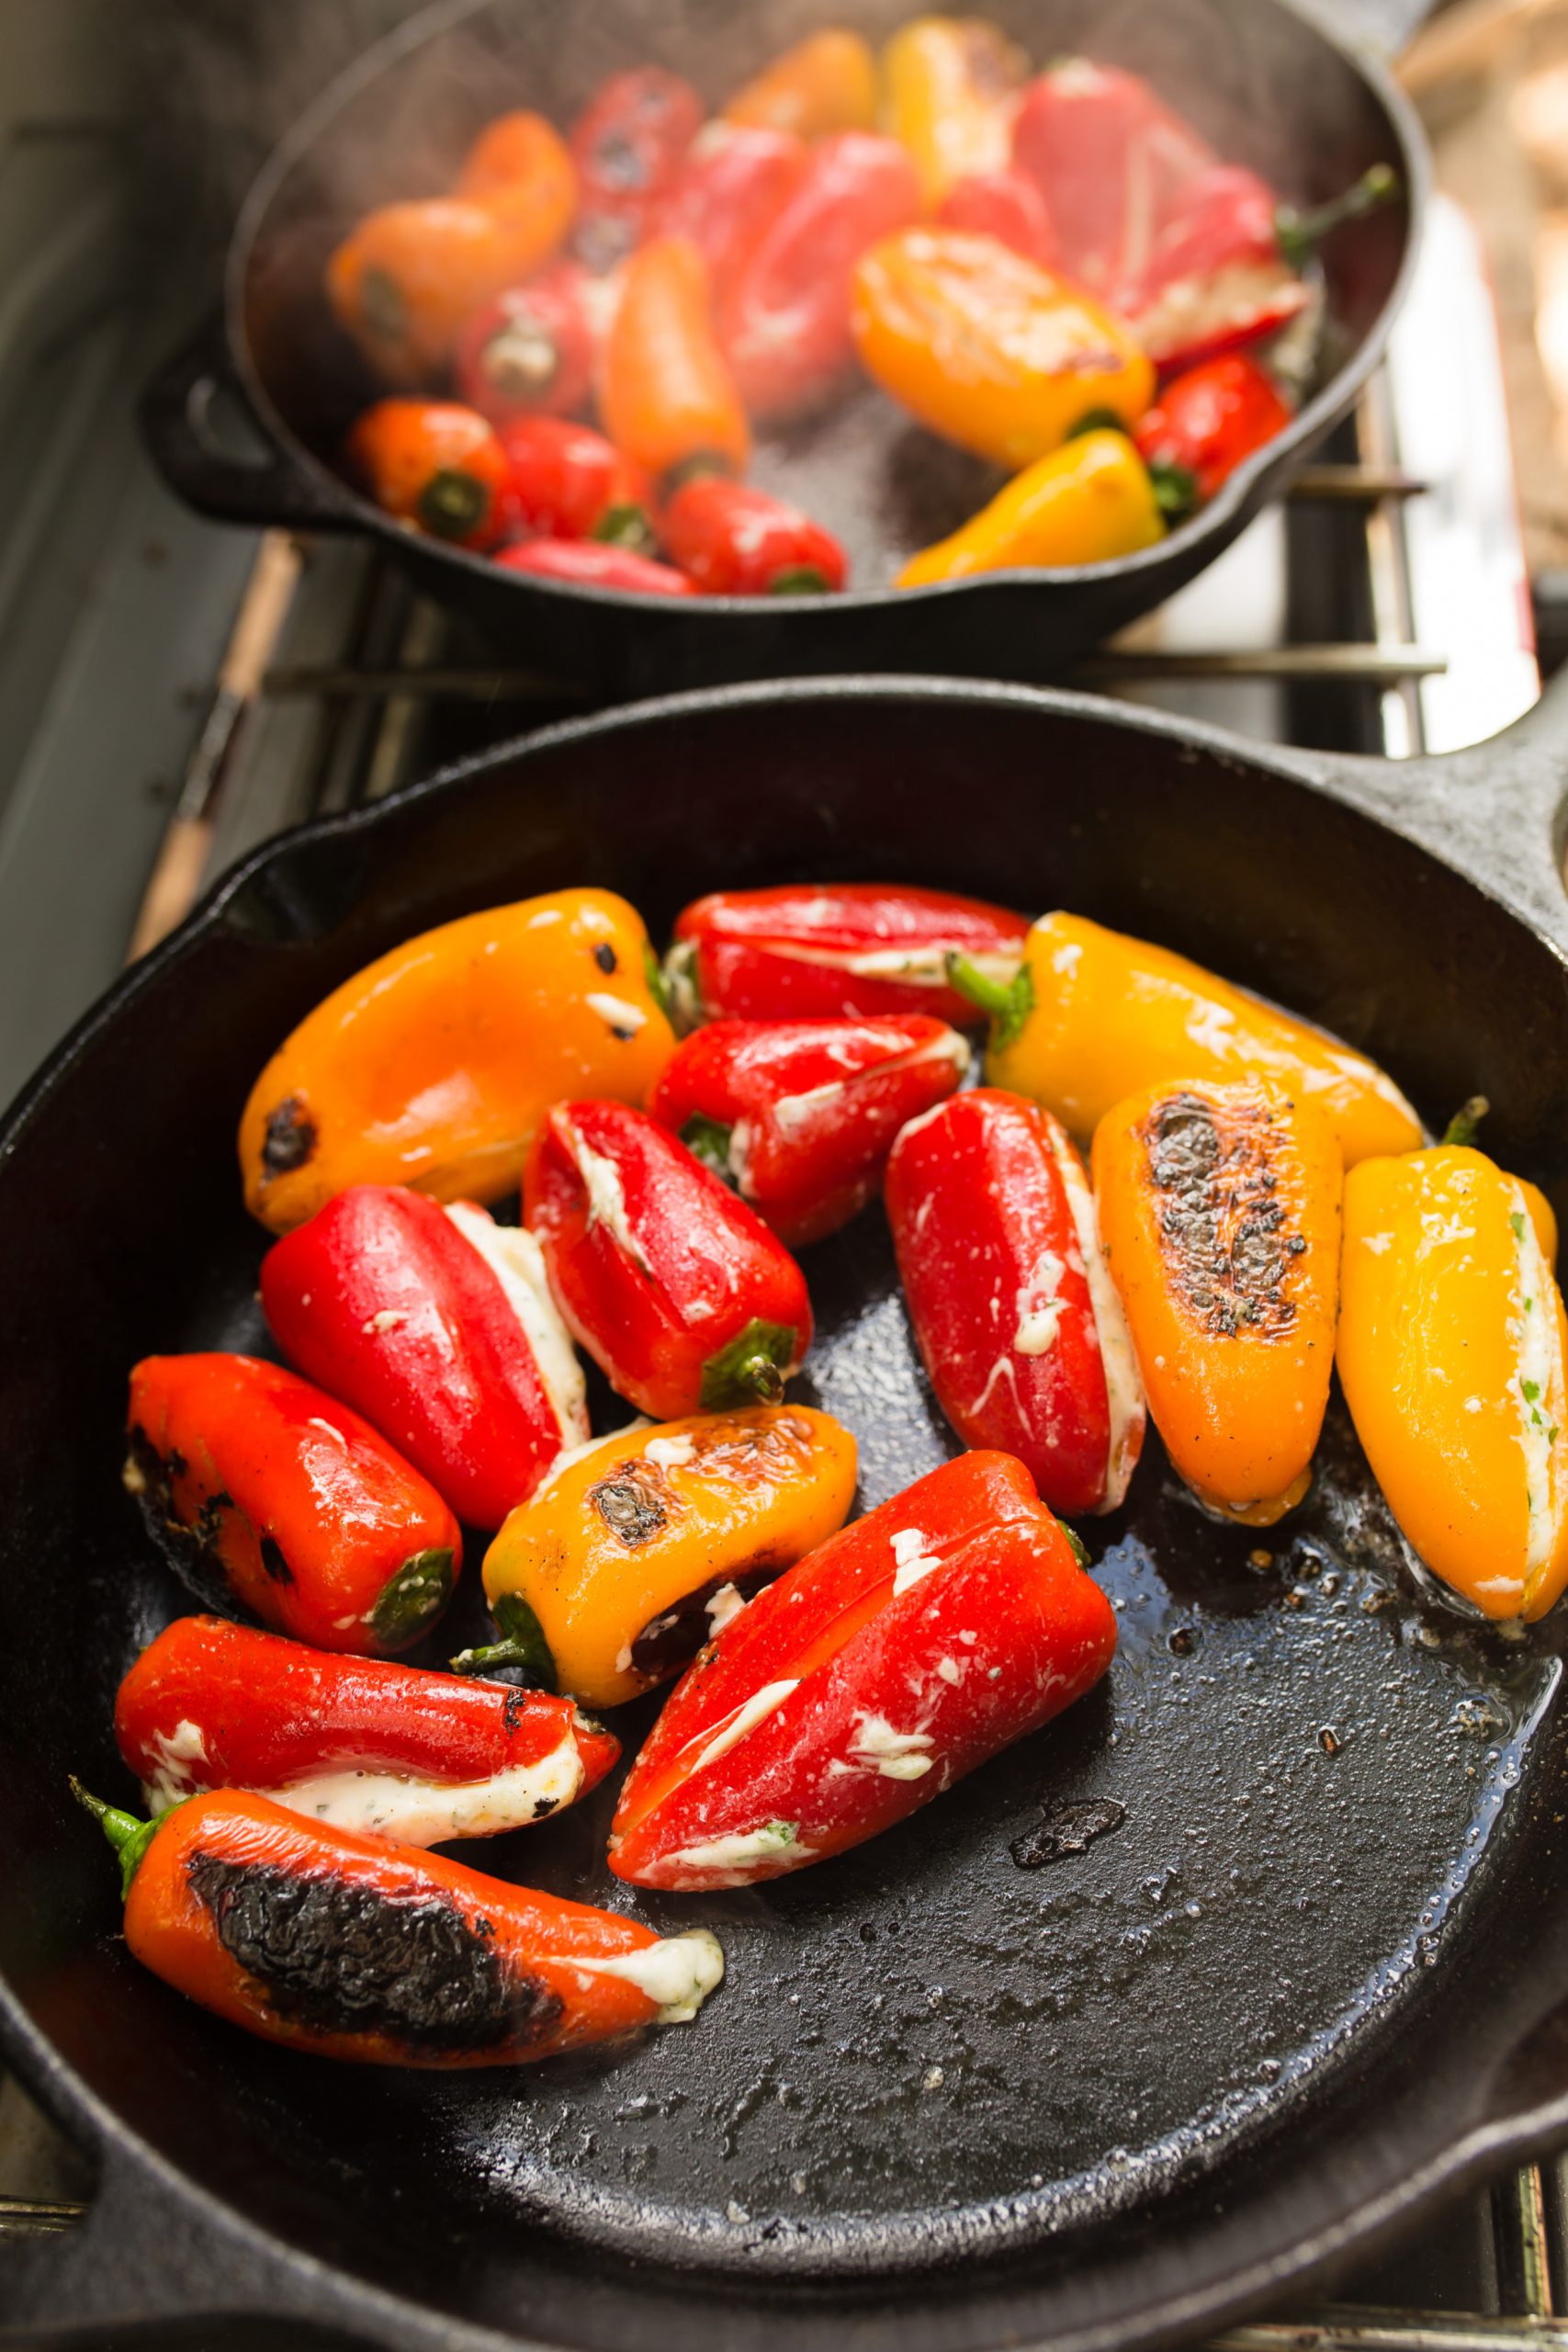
531 352
588 563
567 482
732 540
801 952
248 1474
1219 1210
987 348
629 145
800 1116
950 86
433 1066
1017 1319
1204 424
786 323
733 184
1096 1016
352 1947
882 1667
362 1743
825 83
437 1324
666 393
435 465
618 1571
1088 501
677 1290
1452 1356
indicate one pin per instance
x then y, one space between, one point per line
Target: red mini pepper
872 1675
438 1325
567 482
677 1290
532 350
802 951
732 540
734 183
1006 205
588 563
1016 1315
785 323
359 1743
310 1519
352 1947
800 1116
1202 427
628 144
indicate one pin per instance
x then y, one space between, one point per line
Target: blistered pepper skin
1219 1211
627 1557
1455 1382
1100 1016
901 1654
1017 1320
247 1472
249 1910
362 1743
435 1066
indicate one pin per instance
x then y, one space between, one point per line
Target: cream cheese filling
607 1196
428 1813
1540 1390
516 1260
678 1971
1123 1387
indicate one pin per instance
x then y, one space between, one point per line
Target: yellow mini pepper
1451 1353
435 1066
1094 1017
825 83
642 1547
1087 503
987 348
949 83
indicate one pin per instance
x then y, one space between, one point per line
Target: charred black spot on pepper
632 1502
273 1561
290 1137
669 1640
545 1806
513 1711
624 1036
192 1550
334 1956
1225 1233
604 956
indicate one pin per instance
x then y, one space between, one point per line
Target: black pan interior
935 2083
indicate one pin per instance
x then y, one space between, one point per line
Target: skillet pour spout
941 2103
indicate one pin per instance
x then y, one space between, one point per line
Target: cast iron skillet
1262 81
940 2103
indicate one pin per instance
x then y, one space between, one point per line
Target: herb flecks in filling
1227 1239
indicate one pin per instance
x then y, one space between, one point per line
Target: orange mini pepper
1219 1211
987 348
435 1066
951 85
826 81
666 394
435 465
354 1948
520 165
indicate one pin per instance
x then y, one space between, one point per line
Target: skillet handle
176 424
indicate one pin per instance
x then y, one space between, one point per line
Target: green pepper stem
489 1655
994 996
128 1834
1300 233
1465 1123
1175 489
763 1374
799 580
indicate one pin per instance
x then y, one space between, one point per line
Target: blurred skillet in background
1257 77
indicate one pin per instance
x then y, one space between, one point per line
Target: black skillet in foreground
1258 77
941 2102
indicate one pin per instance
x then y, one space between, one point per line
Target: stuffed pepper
358 1743
567 482
1204 424
678 1290
351 1948
951 85
734 182
1094 1017
434 1064
437 1324
531 352
251 1477
876 1673
1219 1210
1017 1320
667 396
825 83
629 145
1088 501
645 1543
732 540
837 950
800 1116
434 465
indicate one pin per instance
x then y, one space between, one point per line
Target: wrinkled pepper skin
987 348
732 540
629 145
567 482
1017 1319
1204 424
438 1325
894 1658
1219 1212
618 1571
360 1743
246 1472
588 563
1452 1356
434 465
951 84
351 1948
800 1116
1097 1015
733 184
1088 501
531 352
677 1290
666 394
434 1064
825 83
855 950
